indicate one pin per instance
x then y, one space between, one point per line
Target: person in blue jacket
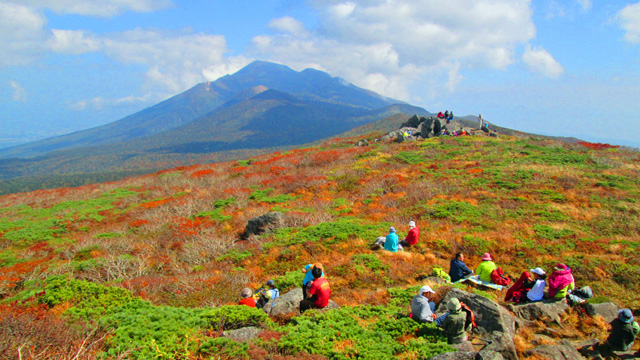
458 268
391 242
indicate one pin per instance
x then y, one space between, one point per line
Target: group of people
316 291
392 242
448 115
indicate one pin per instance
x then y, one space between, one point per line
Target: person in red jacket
320 292
247 298
412 236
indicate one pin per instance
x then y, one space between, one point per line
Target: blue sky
555 67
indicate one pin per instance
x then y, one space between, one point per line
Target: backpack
584 292
498 278
471 317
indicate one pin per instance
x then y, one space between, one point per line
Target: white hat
425 289
412 223
538 271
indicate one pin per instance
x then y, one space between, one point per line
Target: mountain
155 264
203 98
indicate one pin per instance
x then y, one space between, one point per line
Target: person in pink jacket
412 236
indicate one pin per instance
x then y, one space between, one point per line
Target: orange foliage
156 203
138 223
475 171
597 146
201 173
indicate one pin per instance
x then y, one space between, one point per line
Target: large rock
469 355
495 323
264 223
413 122
549 312
452 127
608 310
243 334
563 351
290 303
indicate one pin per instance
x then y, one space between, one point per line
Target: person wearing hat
391 241
247 298
412 236
536 293
529 287
458 269
561 282
486 267
272 293
422 310
623 333
454 324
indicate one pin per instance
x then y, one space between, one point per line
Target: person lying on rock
247 298
412 236
486 267
623 333
454 323
458 269
319 292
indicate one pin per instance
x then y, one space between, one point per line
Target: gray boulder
264 223
469 355
452 127
608 310
243 334
427 129
413 122
549 312
290 303
563 351
495 323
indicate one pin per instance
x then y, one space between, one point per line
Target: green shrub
329 232
402 296
411 158
235 317
290 280
371 261
224 346
547 232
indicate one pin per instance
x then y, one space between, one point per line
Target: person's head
561 267
486 257
453 304
625 315
460 256
538 273
412 224
392 229
316 272
271 284
426 290
246 292
319 266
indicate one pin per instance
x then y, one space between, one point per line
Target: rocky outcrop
563 351
290 303
243 334
608 310
495 324
469 355
549 312
265 223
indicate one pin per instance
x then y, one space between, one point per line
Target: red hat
561 267
486 257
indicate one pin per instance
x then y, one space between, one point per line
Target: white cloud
22 32
385 45
539 60
289 25
586 4
73 42
19 93
629 19
98 103
102 8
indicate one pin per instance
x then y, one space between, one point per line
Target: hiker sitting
623 333
498 277
412 236
561 282
458 269
308 277
454 324
446 114
450 117
319 292
486 267
440 115
422 310
391 241
247 298
529 287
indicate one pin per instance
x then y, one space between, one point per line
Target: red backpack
498 278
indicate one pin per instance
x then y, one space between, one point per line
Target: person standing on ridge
412 236
480 121
458 269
